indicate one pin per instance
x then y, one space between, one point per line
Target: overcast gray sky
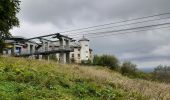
146 49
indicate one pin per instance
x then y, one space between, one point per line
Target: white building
81 51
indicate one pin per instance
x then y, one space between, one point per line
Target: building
64 49
81 51
15 47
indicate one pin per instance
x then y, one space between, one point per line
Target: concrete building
64 49
13 47
81 51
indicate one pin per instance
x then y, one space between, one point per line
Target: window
72 55
86 45
86 51
78 49
86 56
78 55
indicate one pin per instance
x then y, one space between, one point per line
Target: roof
17 38
84 39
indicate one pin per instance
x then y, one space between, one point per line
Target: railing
60 48
64 48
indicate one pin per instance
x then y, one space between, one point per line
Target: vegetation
2 45
8 19
25 79
86 62
162 73
107 61
128 69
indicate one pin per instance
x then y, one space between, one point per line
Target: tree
128 68
109 61
162 73
8 19
96 60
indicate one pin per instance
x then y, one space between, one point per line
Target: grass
26 79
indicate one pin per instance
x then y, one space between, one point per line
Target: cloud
29 30
163 50
65 12
40 17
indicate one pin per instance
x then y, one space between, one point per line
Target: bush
106 60
86 62
128 69
143 75
162 73
96 60
53 57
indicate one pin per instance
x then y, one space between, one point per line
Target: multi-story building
80 50
14 47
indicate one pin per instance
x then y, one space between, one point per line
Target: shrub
128 69
109 61
96 60
53 57
143 75
83 89
162 73
86 62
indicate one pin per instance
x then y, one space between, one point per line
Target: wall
76 56
84 53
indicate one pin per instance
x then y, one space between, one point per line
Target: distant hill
25 79
147 69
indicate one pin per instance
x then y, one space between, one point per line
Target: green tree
162 73
109 61
96 60
128 69
8 19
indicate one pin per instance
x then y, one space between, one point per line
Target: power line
106 35
156 15
127 29
72 34
118 22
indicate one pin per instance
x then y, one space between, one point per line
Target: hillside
25 79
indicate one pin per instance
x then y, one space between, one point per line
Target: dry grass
152 90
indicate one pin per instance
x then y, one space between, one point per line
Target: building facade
80 50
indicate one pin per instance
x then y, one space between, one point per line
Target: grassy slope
22 79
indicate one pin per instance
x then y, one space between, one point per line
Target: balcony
67 48
49 51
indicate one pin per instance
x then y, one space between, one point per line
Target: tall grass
27 79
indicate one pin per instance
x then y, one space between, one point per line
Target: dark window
86 45
78 49
78 55
86 51
73 55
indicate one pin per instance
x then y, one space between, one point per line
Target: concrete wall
76 55
84 52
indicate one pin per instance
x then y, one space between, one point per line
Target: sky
147 49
